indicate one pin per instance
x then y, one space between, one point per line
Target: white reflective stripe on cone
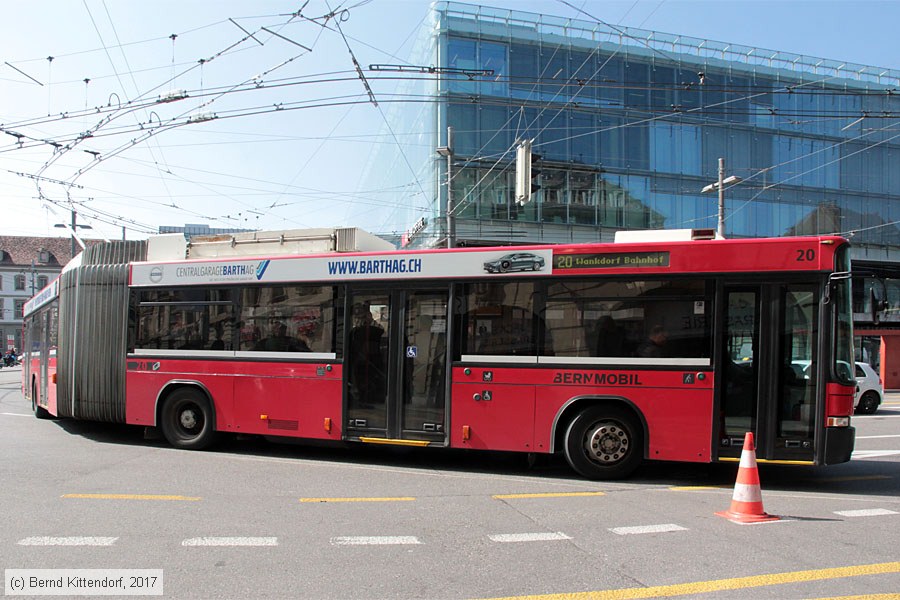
747 493
748 459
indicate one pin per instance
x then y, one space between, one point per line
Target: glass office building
630 125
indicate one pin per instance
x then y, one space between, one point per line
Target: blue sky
275 157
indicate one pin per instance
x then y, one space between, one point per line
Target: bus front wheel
187 420
604 442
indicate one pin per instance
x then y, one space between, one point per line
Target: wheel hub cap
188 419
608 443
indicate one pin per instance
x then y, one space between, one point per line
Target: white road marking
648 529
16 415
528 537
375 540
876 417
68 541
873 453
231 541
875 437
865 512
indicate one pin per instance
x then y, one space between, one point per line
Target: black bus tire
604 442
39 412
187 419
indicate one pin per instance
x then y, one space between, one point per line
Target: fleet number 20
807 255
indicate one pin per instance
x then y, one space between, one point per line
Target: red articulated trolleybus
610 353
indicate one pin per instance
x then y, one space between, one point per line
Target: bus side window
610 338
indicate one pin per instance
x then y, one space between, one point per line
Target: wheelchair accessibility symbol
412 351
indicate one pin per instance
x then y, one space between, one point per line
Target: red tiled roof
21 250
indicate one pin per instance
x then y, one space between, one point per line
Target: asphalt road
256 519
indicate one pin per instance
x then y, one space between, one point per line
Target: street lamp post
72 229
720 187
447 151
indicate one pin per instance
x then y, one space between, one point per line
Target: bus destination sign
617 260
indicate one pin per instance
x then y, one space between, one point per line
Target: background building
192 229
27 264
631 124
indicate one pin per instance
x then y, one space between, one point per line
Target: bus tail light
328 424
837 422
53 378
467 433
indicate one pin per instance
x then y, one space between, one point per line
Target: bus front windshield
843 317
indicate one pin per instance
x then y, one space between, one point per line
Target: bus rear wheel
187 420
39 412
604 442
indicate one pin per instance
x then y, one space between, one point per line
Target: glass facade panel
662 92
584 74
465 197
492 57
612 92
637 146
636 79
461 55
523 69
496 191
554 74
464 119
584 198
555 196
737 98
583 138
554 134
675 148
494 132
611 142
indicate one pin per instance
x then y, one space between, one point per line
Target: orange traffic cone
746 503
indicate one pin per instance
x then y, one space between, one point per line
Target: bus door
768 371
395 377
46 324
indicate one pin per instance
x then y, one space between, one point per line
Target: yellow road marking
717 585
398 499
547 495
132 497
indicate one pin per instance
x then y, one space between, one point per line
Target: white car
868 389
